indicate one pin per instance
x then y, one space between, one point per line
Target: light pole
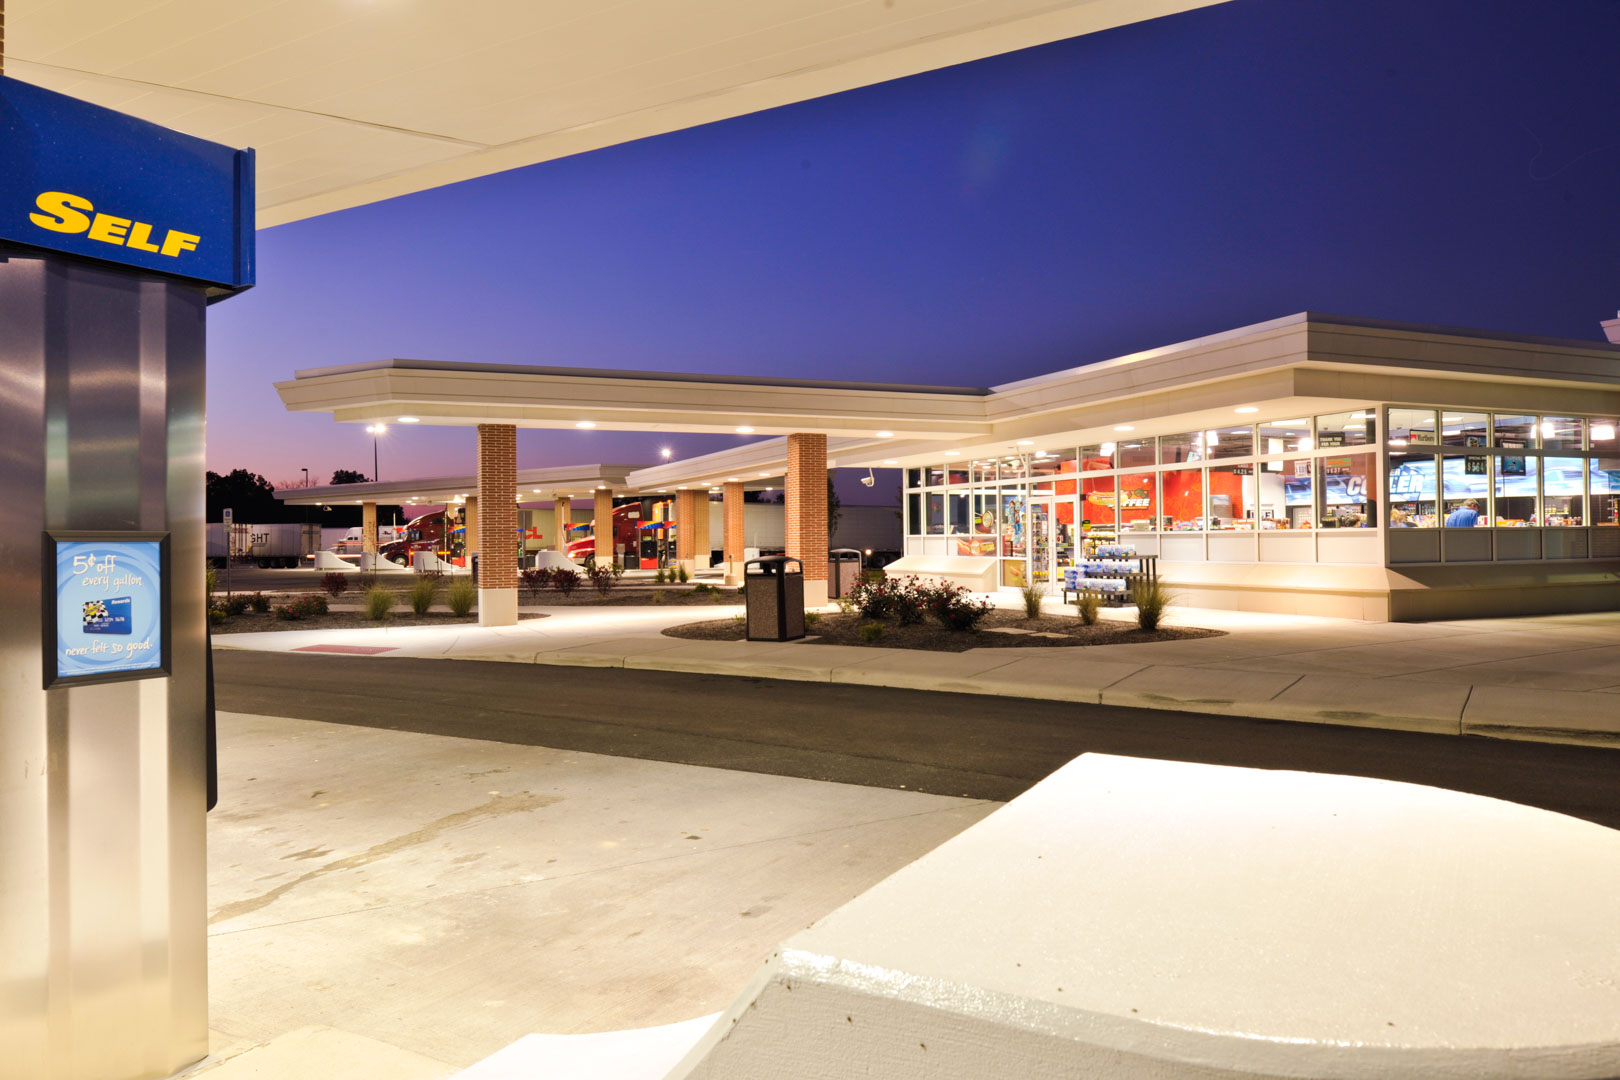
375 430
306 478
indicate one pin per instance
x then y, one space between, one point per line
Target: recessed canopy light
586 424
764 474
409 419
535 490
733 479
770 489
885 434
1124 427
1247 408
1026 442
745 430
665 453
953 453
891 461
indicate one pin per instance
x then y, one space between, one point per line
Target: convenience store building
1306 465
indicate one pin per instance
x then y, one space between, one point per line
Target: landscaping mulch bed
252 623
845 630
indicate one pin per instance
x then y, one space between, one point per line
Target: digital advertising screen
107 607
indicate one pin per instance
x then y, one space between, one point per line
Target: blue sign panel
86 180
108 612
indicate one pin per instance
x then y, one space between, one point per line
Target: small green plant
216 616
1032 594
811 618
259 602
424 591
846 604
462 596
1152 598
701 589
658 578
870 632
335 584
380 600
234 605
1087 604
658 596
211 581
681 573
304 607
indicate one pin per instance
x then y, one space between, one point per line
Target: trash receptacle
843 571
472 562
773 595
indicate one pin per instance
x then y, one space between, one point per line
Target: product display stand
1109 569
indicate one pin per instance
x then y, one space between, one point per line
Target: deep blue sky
1443 161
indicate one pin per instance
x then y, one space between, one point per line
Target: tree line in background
252 500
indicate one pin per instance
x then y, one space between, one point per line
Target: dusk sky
1448 161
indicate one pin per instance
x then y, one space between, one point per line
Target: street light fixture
375 430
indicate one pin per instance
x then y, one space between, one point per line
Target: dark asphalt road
947 744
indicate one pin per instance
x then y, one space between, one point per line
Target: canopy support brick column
731 528
368 528
469 538
604 526
562 506
806 509
702 550
686 529
497 506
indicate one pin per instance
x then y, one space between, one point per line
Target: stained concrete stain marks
309 853
501 805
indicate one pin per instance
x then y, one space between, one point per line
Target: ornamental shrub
462 596
234 605
424 590
335 584
259 602
955 607
602 580
1087 604
303 607
536 580
1033 594
682 575
1151 599
380 600
872 631
565 580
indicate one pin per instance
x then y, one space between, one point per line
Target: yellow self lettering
109 229
140 237
61 212
176 242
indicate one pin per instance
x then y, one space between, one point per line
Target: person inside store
1400 519
1465 516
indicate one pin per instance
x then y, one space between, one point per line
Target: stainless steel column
102 788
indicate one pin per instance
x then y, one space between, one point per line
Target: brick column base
497 512
806 510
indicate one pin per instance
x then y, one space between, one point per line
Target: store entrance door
1040 541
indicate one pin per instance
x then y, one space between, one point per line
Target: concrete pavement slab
608 652
914 669
1058 675
1385 703
1511 712
1585 668
765 660
328 1053
1223 691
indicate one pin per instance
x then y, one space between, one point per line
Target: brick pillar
604 527
469 539
686 528
702 548
368 527
806 509
563 507
496 512
732 532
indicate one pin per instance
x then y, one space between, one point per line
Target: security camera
868 480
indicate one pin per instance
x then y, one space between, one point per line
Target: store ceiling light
733 479
1548 429
1124 427
953 453
885 434
1602 432
764 474
891 461
1026 442
1247 408
586 424
745 430
409 419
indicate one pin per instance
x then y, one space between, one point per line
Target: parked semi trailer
283 545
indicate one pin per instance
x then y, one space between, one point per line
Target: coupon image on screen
109 608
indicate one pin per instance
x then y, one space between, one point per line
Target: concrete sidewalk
1547 678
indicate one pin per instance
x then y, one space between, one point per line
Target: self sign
66 213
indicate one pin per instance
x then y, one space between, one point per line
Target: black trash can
472 563
843 571
773 595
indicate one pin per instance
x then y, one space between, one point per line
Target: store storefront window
914 518
1284 495
984 471
956 475
1183 499
1135 453
936 514
1093 458
1345 429
1412 494
1285 437
1465 488
1605 473
1175 449
1054 470
1231 497
1411 427
1515 490
1138 502
914 478
1515 432
1230 442
935 475
1014 542
1561 433
984 539
1465 428
957 522
1563 491
1604 435
1098 503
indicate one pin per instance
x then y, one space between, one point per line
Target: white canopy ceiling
352 101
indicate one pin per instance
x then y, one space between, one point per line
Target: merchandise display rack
1109 569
